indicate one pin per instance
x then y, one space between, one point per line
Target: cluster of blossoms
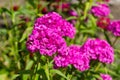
47 38
105 77
114 27
47 35
79 57
73 55
102 11
99 49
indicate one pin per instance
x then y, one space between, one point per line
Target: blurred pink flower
73 13
73 55
114 27
47 34
54 21
100 10
105 77
103 22
99 49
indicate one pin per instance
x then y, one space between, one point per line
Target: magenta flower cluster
55 22
75 56
100 10
99 49
105 77
114 27
80 57
47 35
47 38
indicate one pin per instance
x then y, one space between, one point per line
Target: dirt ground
115 11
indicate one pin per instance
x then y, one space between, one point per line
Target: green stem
98 66
105 70
47 70
35 71
107 38
115 41
5 20
37 66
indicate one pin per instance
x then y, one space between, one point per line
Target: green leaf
26 33
31 2
47 71
3 77
25 77
37 77
87 6
117 50
3 31
3 71
71 17
93 21
29 65
97 77
14 76
25 71
42 75
39 15
89 31
59 73
2 10
113 73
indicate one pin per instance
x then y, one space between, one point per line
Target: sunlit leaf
59 73
26 33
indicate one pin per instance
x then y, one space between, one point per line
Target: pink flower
32 44
103 22
105 77
54 21
73 13
99 49
61 61
45 40
114 27
100 10
75 56
51 44
48 32
78 58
